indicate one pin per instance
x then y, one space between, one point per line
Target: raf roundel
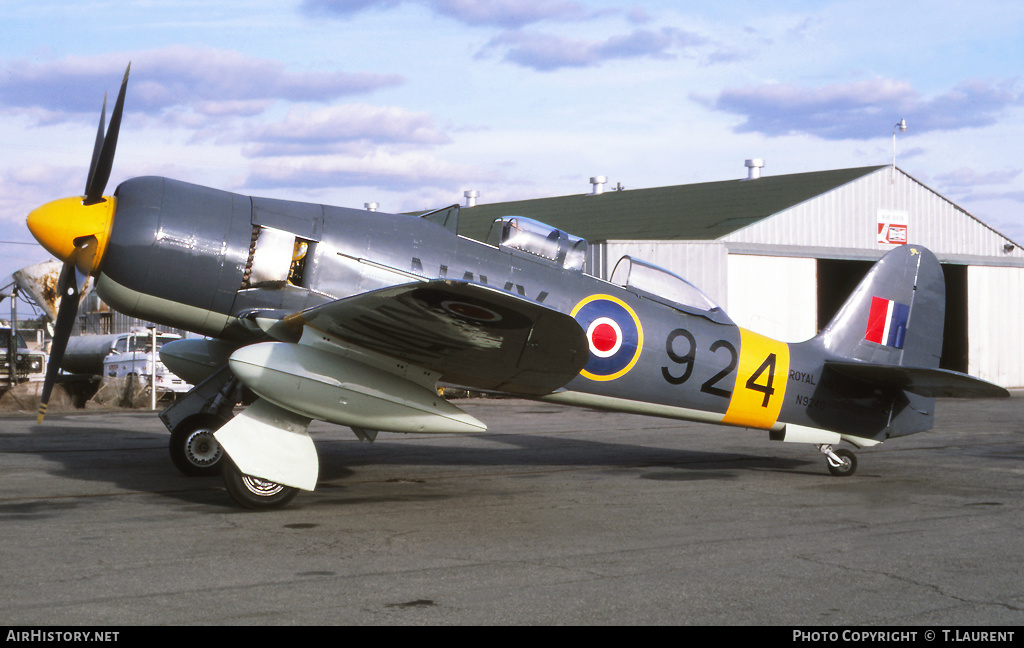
471 311
614 334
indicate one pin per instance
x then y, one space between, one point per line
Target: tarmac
555 516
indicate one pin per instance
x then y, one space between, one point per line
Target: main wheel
194 450
848 465
253 492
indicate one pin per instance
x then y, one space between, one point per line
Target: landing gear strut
841 463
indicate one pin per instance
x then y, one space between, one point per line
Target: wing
923 381
472 334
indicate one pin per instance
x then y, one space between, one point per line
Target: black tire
849 463
194 450
253 492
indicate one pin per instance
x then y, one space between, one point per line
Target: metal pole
901 126
152 371
12 345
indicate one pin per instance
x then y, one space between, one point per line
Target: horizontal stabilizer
923 381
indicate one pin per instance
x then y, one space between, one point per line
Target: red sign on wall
892 227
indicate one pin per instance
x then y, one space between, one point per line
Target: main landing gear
196 453
841 463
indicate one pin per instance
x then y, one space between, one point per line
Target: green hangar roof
696 212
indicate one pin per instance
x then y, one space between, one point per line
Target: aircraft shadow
138 460
340 459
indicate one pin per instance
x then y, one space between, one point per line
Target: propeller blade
66 315
98 146
105 161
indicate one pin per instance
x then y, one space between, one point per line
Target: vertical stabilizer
895 316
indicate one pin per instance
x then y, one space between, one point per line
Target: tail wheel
194 450
254 492
842 463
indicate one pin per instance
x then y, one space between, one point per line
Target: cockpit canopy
527 235
665 286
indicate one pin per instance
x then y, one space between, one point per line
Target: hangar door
837 279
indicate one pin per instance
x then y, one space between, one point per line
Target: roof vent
471 197
754 168
598 182
371 206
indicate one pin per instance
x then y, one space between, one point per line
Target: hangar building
782 253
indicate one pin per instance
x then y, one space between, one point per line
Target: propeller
76 230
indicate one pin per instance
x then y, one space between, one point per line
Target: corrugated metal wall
846 220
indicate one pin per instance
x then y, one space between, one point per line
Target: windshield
5 339
142 342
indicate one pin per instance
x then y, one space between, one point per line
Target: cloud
971 104
638 15
206 80
860 110
531 49
402 172
345 128
966 178
544 52
25 187
345 7
967 184
508 14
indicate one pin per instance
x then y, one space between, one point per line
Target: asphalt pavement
553 516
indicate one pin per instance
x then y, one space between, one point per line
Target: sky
409 103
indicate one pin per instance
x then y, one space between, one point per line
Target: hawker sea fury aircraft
355 317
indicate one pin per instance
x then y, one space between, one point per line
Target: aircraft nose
60 224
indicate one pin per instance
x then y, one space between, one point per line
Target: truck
30 364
